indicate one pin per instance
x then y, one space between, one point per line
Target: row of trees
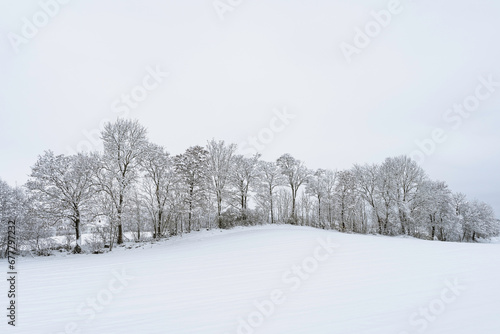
137 186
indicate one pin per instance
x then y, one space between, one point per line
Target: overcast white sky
227 76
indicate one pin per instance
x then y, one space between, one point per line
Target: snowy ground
243 281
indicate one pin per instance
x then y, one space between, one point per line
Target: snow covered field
244 281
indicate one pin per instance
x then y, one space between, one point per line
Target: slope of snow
243 281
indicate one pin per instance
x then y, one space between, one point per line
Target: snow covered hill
270 279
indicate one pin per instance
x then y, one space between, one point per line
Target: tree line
136 188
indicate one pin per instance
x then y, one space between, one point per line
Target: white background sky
226 76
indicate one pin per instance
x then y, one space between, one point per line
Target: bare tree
14 207
283 204
244 173
219 163
124 146
157 181
367 177
317 187
270 177
63 187
296 174
137 213
345 193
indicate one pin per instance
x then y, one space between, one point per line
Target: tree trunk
158 232
272 209
111 236
242 206
191 191
219 210
78 247
319 210
380 224
441 234
330 220
119 241
120 228
342 217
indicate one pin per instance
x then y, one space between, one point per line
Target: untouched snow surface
243 281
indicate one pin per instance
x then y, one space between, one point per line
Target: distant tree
330 179
296 173
17 205
283 204
12 208
270 177
478 220
176 208
62 185
317 187
104 211
158 178
33 231
243 174
438 208
7 207
407 178
137 213
219 163
305 209
192 169
345 192
386 190
367 178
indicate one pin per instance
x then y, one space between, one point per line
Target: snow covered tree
62 186
191 166
367 178
459 200
321 186
137 213
437 209
124 146
345 192
330 180
296 174
243 175
7 206
407 178
270 177
158 178
305 208
283 204
478 220
11 209
219 165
